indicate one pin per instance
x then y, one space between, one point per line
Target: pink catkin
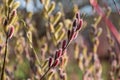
75 35
59 52
50 61
78 16
14 13
56 62
63 44
80 25
56 54
11 31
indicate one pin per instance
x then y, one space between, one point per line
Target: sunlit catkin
57 18
51 8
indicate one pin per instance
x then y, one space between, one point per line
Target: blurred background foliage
41 28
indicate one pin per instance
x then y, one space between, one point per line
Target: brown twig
4 62
45 73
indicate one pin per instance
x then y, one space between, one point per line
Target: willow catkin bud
51 8
72 33
13 17
99 31
16 5
29 35
5 22
61 36
50 62
64 61
14 13
45 64
76 50
56 62
80 61
68 23
75 35
64 52
64 44
50 74
79 25
58 53
78 15
96 43
0 48
10 32
74 23
47 2
51 27
110 40
10 2
57 18
68 34
58 27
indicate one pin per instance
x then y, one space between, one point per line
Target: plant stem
45 73
4 62
36 56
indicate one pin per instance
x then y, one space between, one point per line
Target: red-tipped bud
10 32
72 34
75 35
61 59
56 62
58 53
50 62
64 52
78 15
63 44
5 22
79 25
14 13
74 23
68 34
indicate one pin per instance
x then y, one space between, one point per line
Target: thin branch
45 73
4 62
116 7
